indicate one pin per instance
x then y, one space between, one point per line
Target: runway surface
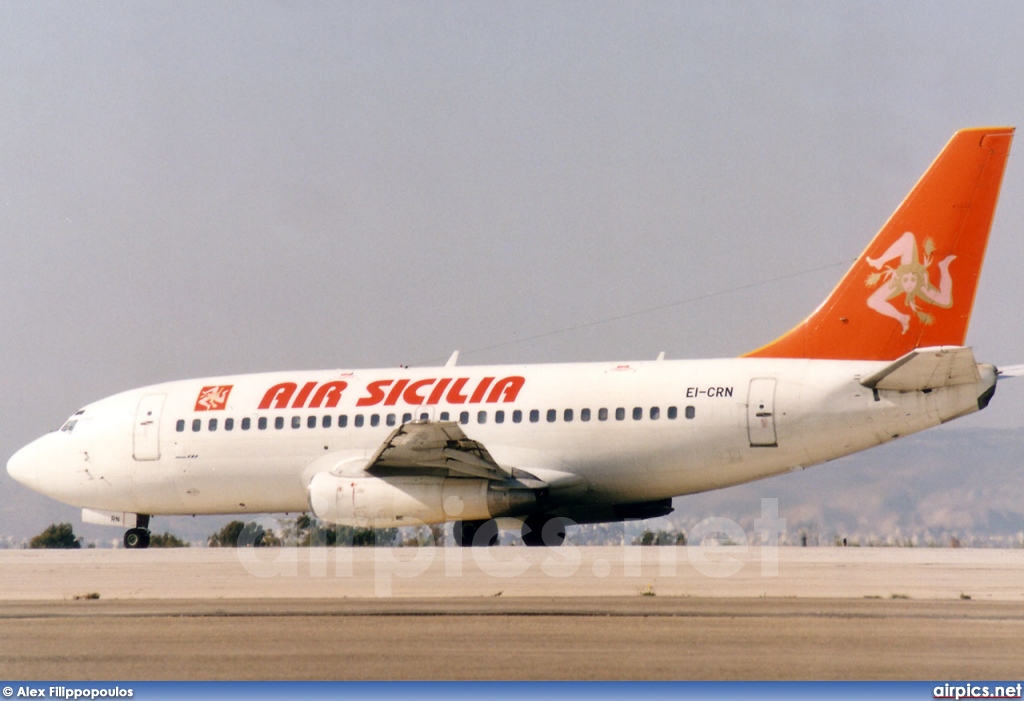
451 572
580 613
595 638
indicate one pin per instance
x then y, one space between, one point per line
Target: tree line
305 531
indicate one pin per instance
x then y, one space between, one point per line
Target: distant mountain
933 488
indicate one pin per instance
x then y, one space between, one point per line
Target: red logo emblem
213 398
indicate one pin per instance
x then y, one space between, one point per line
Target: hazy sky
203 188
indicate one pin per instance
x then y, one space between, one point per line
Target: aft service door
147 427
761 413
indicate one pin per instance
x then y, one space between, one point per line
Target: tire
476 533
136 539
543 530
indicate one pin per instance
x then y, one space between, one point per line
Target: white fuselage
615 433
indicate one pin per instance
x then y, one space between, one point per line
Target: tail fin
914 285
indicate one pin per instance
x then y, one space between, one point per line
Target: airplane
548 445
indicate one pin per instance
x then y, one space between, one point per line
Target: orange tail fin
914 285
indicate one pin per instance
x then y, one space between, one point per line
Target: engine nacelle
409 501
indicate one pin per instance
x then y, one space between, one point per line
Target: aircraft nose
23 467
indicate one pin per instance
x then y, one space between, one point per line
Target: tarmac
513 613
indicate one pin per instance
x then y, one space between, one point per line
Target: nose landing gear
138 538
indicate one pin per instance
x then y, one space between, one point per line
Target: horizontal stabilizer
927 368
1009 371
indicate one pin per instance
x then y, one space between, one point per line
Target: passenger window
655 413
534 416
673 413
499 417
406 418
620 414
246 423
342 421
390 419
602 414
213 424
375 420
359 420
691 412
310 422
327 421
481 417
180 426
197 424
584 414
517 417
445 416
262 423
296 422
638 413
229 424
424 416
552 416
279 422
464 418
567 416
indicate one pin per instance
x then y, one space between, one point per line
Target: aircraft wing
927 368
435 445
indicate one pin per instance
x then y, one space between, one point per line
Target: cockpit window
69 425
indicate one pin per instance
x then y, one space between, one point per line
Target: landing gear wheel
541 529
136 539
476 533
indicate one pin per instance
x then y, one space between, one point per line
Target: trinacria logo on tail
909 278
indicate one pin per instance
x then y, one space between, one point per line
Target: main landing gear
538 529
476 533
138 538
541 529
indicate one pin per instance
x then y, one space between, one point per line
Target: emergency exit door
761 413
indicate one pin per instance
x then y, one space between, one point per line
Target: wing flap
436 445
927 368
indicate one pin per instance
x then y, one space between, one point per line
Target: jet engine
411 500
